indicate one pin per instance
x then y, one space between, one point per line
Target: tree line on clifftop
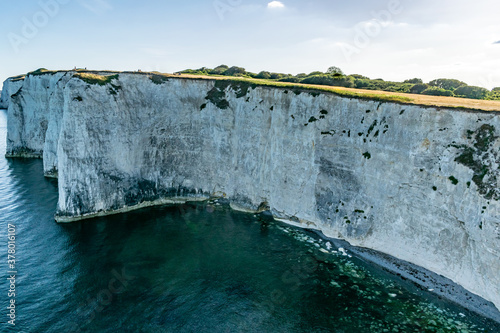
334 76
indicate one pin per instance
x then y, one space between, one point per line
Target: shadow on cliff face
337 192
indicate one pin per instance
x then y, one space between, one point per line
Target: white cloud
275 4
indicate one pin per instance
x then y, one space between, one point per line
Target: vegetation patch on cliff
453 180
96 79
481 157
18 78
217 96
218 93
241 88
158 79
42 71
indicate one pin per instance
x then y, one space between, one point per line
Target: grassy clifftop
382 96
105 77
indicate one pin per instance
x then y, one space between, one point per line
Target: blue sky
389 39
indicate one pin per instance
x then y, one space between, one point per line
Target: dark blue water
192 268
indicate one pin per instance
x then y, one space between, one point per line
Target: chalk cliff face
421 184
35 108
9 88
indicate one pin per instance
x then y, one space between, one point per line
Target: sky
389 39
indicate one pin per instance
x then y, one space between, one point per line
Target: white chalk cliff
10 87
419 183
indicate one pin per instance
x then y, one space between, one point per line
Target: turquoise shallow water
194 268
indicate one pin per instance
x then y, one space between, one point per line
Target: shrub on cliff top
447 84
472 92
329 80
234 71
219 70
435 91
414 81
419 88
334 70
263 75
494 94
